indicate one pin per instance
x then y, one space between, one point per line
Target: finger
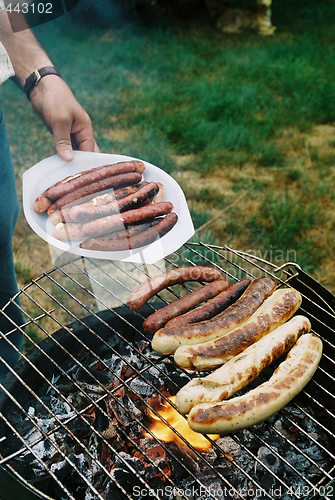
62 139
96 148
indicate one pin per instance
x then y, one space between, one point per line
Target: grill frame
290 274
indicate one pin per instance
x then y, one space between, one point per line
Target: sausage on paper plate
139 236
212 308
69 184
161 316
143 196
109 182
259 404
242 369
160 195
272 313
67 231
115 222
177 276
167 340
63 214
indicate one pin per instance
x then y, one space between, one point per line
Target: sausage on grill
242 369
212 308
259 404
167 340
160 317
272 313
180 275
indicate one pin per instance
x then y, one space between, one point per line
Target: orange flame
178 422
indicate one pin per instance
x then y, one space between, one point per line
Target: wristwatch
36 76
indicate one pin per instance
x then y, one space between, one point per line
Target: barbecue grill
76 412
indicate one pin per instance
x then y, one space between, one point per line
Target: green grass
282 224
232 112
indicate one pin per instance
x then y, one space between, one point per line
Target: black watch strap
36 76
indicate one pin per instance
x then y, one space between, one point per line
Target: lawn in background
244 123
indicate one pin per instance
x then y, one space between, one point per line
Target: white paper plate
53 169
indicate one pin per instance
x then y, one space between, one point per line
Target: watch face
23 14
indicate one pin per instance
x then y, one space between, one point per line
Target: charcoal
122 459
155 376
135 430
124 410
45 449
80 426
101 421
139 386
89 495
64 470
176 380
90 377
121 479
156 484
297 461
24 465
181 459
95 448
269 459
150 472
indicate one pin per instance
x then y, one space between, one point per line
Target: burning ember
164 433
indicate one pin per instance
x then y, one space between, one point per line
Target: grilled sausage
62 215
59 216
212 308
109 182
243 368
82 213
160 195
141 235
160 317
272 313
180 275
167 340
114 194
67 231
87 177
118 221
259 404
42 203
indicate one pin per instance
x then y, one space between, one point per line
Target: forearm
23 49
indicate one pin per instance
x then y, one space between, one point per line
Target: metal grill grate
78 307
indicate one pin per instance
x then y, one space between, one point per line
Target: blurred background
245 123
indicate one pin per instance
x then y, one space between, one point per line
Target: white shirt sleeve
6 67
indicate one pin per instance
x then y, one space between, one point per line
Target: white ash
268 458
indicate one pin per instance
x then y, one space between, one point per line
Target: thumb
63 144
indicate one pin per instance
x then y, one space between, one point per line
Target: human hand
64 117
